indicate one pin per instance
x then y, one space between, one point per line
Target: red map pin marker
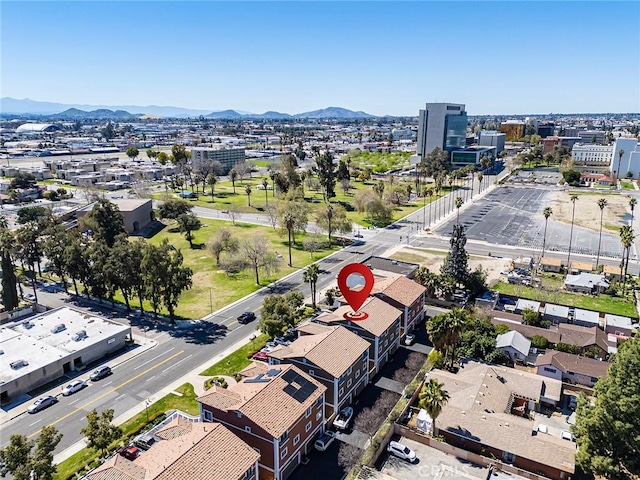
355 298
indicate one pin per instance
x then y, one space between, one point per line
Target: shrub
436 358
539 341
502 328
217 381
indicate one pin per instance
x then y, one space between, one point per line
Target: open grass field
225 198
236 361
601 303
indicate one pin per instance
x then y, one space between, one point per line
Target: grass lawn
627 185
187 403
602 303
224 198
212 288
236 361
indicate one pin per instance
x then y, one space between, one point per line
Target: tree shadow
200 332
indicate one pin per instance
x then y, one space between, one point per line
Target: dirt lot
433 261
587 210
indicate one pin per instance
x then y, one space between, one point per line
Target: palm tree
547 212
289 220
573 199
457 321
247 190
459 203
432 398
601 203
233 175
480 177
617 172
211 181
632 203
311 275
265 184
626 238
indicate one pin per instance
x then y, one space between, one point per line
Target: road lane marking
84 406
177 363
37 421
121 396
150 378
75 401
154 358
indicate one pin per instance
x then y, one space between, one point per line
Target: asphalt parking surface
513 216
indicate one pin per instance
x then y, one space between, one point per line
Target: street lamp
147 402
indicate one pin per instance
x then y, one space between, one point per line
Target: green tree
27 459
151 153
626 238
333 218
105 221
478 340
606 431
477 281
326 175
616 174
456 262
571 176
435 162
247 190
132 152
179 154
444 331
35 214
288 223
602 203
343 171
233 175
433 397
547 212
173 208
280 312
53 249
162 158
459 203
108 132
310 275
212 179
538 341
632 204
573 199
188 223
99 431
8 246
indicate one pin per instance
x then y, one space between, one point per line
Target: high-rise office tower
441 125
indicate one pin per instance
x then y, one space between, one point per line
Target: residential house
612 272
618 325
514 344
555 313
488 413
523 262
381 329
551 334
276 409
586 283
580 267
551 264
592 339
186 449
335 357
586 318
523 304
571 368
405 295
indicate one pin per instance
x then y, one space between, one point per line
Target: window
319 401
283 453
364 368
307 414
251 473
508 457
239 413
307 427
357 373
311 372
208 416
551 370
318 415
348 383
350 370
341 392
284 437
296 439
594 379
247 429
570 373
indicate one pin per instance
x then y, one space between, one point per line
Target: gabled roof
381 316
274 400
568 362
583 336
206 451
403 290
334 351
515 340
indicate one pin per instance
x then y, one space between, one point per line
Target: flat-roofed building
586 318
556 313
551 264
228 157
45 347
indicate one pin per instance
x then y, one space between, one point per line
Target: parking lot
513 216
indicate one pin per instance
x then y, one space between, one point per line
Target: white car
409 339
30 296
566 435
343 418
400 450
325 440
73 387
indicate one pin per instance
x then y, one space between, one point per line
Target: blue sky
380 57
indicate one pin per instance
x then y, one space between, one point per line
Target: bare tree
348 456
414 362
222 241
368 421
233 213
256 253
385 403
272 212
242 169
403 375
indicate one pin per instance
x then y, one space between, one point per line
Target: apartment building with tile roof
406 295
186 450
336 357
381 329
276 409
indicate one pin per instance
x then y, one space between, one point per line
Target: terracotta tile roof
334 351
568 362
476 410
265 401
381 316
404 291
311 328
204 451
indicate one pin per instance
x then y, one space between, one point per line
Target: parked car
130 452
282 341
261 356
401 451
246 317
566 435
506 301
73 387
145 441
41 404
410 338
30 296
343 418
100 373
325 440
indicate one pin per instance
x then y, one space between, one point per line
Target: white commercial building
441 125
630 158
591 158
491 138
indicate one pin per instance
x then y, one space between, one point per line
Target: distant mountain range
57 111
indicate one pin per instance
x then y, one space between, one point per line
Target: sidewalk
192 377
